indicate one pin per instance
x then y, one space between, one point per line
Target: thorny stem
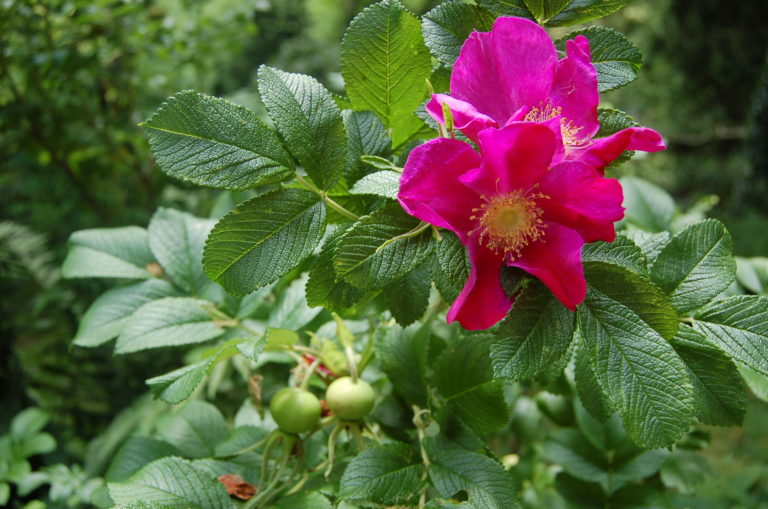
415 231
328 200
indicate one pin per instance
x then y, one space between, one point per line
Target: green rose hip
350 400
295 410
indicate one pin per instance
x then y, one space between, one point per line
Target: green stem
327 199
267 493
271 443
421 426
415 231
308 373
332 448
351 362
358 436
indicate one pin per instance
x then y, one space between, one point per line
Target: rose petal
500 71
513 157
482 302
430 188
580 198
557 263
465 117
575 87
602 152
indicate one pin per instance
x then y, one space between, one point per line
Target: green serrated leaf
263 238
464 376
536 333
309 121
173 483
648 206
752 273
507 8
380 163
306 500
384 63
195 430
644 378
366 135
108 252
380 248
277 338
170 321
717 386
649 243
757 382
589 390
291 311
447 26
241 439
323 287
696 265
739 327
485 481
135 453
612 121
616 60
179 384
403 356
544 10
108 314
577 456
685 471
176 240
387 474
635 292
453 266
580 11
407 299
212 142
621 251
381 183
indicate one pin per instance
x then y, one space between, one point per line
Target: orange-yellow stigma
569 131
508 222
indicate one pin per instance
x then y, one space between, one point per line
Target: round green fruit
350 400
295 410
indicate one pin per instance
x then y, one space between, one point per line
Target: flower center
569 131
508 222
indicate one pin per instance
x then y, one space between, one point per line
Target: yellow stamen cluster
569 131
508 222
543 112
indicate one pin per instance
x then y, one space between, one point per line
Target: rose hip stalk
513 74
511 205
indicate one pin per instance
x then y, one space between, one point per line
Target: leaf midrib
263 240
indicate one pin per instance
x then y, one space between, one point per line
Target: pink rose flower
510 204
513 74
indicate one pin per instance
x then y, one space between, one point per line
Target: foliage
320 274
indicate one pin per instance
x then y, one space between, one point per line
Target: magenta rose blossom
512 74
511 205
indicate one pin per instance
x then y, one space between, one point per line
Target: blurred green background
77 77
